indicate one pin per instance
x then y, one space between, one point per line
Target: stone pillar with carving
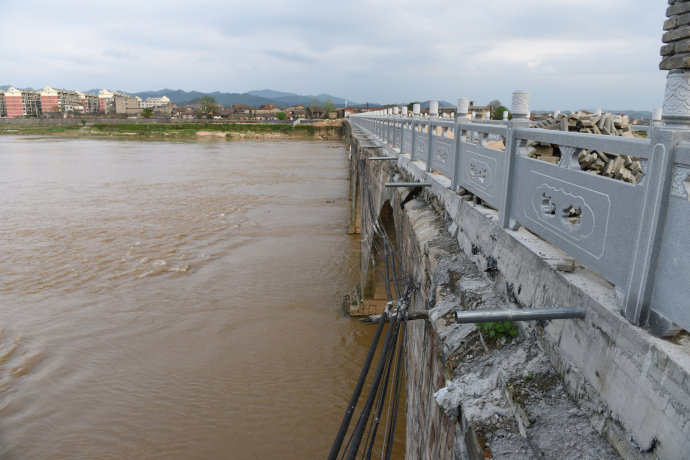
520 105
433 109
676 59
463 107
519 110
653 296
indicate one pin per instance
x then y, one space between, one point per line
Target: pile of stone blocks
606 123
676 50
620 167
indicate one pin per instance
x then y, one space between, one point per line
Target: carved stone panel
479 172
407 141
577 214
441 154
678 182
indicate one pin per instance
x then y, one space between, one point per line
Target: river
174 299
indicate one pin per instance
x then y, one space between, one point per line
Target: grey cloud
291 56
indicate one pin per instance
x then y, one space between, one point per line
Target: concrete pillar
404 111
416 108
505 115
656 117
463 107
396 110
433 109
520 105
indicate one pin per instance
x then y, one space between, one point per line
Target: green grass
172 129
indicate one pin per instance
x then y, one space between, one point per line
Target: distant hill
254 98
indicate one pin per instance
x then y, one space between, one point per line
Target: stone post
463 107
519 108
649 298
505 115
416 108
520 105
656 117
404 111
396 110
433 109
433 115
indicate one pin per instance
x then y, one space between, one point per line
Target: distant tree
492 107
147 112
328 105
208 107
498 112
314 103
282 116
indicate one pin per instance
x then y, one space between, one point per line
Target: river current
174 299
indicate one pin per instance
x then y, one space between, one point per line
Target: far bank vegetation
322 130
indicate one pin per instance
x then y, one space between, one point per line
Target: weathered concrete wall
559 388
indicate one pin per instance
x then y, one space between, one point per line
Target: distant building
127 105
21 103
60 100
158 104
106 101
267 112
296 112
185 113
90 102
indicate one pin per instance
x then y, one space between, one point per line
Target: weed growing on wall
496 331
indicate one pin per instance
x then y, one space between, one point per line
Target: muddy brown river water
174 299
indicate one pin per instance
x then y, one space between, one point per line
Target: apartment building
61 100
127 105
21 103
90 102
106 101
157 104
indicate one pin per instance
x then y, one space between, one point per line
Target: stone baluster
433 115
416 109
519 108
462 108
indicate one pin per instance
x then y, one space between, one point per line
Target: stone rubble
620 167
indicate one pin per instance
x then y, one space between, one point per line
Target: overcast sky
568 54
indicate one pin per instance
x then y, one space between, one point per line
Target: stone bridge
488 227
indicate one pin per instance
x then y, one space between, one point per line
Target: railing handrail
612 226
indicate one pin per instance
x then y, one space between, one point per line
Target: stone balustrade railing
635 235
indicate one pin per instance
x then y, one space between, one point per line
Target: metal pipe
408 184
383 158
489 316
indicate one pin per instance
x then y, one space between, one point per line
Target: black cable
382 391
390 436
361 423
357 391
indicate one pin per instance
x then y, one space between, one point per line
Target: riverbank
327 130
